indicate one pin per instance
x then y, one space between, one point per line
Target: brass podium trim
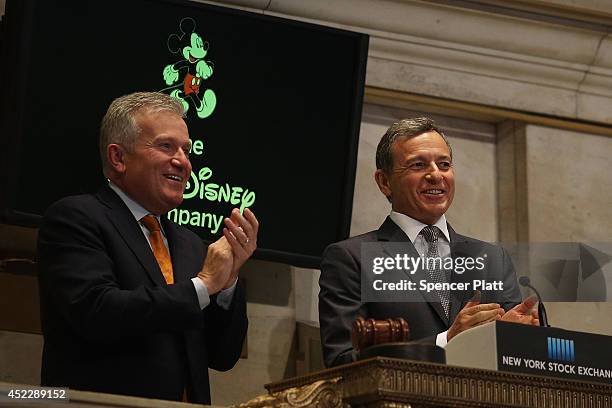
318 394
385 382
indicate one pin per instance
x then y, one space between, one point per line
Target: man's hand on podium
474 314
524 313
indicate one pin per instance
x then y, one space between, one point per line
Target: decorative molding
318 394
594 11
404 100
385 382
439 24
465 54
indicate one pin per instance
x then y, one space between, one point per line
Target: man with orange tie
132 303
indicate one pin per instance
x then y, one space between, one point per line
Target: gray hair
119 123
404 128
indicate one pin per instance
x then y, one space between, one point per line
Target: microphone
525 281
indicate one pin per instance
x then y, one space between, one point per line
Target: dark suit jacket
111 323
340 295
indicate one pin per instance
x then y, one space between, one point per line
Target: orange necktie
159 248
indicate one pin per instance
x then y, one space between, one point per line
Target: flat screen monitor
273 110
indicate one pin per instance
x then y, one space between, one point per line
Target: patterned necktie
159 248
431 233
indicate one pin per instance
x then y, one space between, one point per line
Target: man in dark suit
415 173
130 303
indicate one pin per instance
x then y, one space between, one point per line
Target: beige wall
594 6
569 185
271 312
552 194
569 177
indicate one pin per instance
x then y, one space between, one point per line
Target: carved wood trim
319 394
377 381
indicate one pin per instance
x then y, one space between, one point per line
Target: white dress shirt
224 298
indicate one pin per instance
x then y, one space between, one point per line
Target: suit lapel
391 232
123 220
460 247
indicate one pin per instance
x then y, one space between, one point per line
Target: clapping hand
524 313
241 233
474 314
226 255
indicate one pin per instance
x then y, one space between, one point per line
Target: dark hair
403 128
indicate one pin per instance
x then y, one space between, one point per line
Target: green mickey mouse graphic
193 50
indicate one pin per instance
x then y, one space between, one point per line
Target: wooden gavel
369 332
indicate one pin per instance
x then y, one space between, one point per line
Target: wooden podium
393 383
383 383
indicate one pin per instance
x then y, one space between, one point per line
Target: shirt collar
137 210
412 227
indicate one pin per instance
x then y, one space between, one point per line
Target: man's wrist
210 286
231 283
201 292
442 339
224 298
